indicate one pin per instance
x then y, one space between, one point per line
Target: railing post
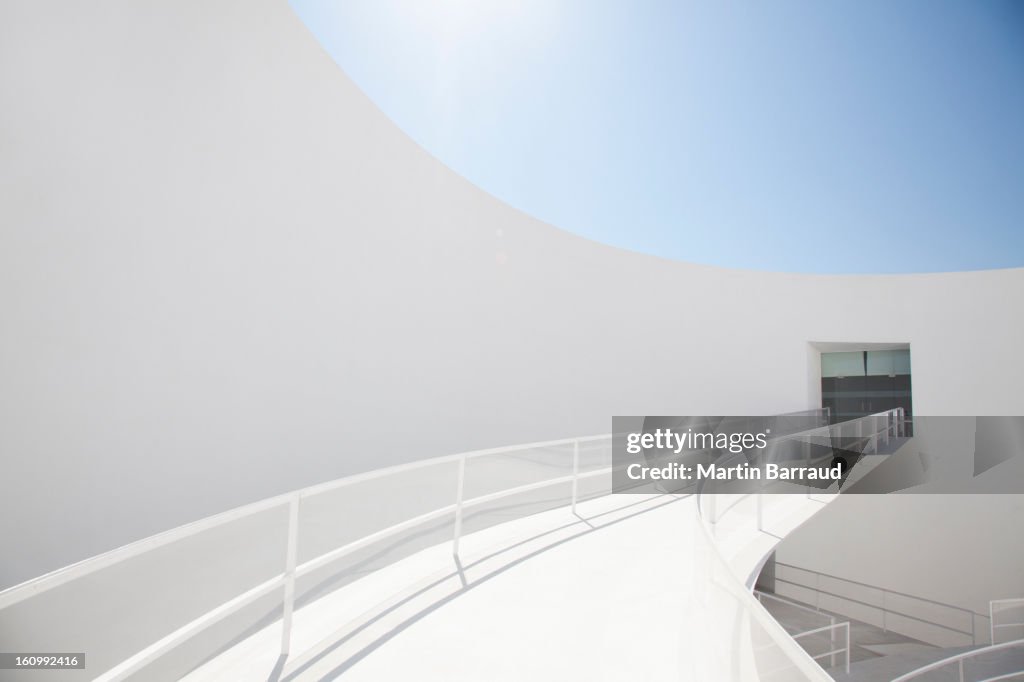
762 484
832 641
290 561
807 464
458 506
991 622
884 625
961 670
760 511
847 647
575 472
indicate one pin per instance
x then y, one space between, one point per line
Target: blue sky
790 136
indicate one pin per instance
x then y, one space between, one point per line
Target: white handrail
140 660
896 415
293 571
875 587
290 561
845 625
365 541
958 658
893 425
882 608
168 643
992 616
795 654
761 596
1005 676
48 581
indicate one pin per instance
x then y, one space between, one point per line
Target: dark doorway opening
863 382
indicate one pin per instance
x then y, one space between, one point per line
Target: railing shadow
437 580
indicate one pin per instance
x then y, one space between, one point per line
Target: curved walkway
628 588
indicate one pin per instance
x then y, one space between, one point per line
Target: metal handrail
47 581
894 424
796 655
845 625
293 570
759 614
134 663
992 616
1005 676
883 608
959 658
875 587
761 596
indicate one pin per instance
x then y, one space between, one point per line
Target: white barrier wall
225 274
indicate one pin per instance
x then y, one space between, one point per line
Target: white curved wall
226 274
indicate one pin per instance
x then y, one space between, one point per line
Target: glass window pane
849 364
888 362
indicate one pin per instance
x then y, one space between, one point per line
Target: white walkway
629 589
